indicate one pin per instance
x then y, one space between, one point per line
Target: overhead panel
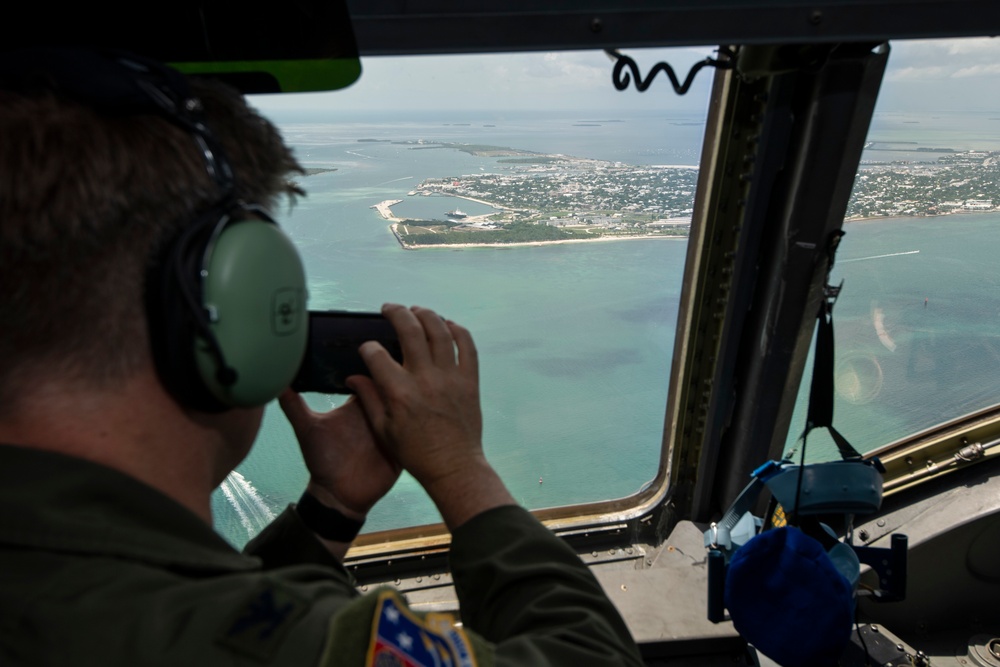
395 27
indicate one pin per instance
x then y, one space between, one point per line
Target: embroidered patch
259 625
401 638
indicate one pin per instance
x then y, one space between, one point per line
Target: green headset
226 311
226 297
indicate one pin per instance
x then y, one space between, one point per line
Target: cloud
917 73
945 75
983 70
936 59
979 46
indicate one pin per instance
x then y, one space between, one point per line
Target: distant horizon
938 76
455 116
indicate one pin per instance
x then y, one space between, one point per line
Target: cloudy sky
935 76
943 75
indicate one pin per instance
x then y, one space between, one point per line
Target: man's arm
526 598
519 586
523 589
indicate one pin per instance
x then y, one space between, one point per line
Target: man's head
89 199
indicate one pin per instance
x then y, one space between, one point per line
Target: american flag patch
401 638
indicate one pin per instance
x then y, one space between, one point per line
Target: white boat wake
395 180
249 506
892 254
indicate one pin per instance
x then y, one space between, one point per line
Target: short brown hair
86 200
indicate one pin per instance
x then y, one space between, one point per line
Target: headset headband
119 83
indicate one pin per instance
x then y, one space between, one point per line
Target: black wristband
326 522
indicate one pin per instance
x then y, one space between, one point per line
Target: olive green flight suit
96 568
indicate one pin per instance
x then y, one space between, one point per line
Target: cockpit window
917 325
525 198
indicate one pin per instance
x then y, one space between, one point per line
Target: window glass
575 338
917 325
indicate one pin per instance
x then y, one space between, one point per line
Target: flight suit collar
58 503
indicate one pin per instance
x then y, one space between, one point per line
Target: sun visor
292 46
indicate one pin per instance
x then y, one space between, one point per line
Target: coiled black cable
622 79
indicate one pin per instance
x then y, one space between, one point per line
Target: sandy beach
596 239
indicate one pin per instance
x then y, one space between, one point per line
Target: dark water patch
511 346
643 314
584 367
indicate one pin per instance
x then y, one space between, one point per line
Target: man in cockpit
110 169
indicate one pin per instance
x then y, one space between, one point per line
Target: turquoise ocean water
917 328
575 340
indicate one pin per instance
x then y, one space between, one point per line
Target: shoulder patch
402 638
258 626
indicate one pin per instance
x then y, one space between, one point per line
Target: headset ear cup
236 336
173 327
254 292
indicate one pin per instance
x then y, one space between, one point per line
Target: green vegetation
429 224
515 233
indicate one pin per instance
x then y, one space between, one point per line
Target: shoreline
384 209
878 218
520 244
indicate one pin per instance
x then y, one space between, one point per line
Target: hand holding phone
332 351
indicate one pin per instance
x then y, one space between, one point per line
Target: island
538 198
542 198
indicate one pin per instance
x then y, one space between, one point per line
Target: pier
384 209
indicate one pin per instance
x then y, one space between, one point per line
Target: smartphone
332 351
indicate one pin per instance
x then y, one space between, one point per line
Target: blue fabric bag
786 597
